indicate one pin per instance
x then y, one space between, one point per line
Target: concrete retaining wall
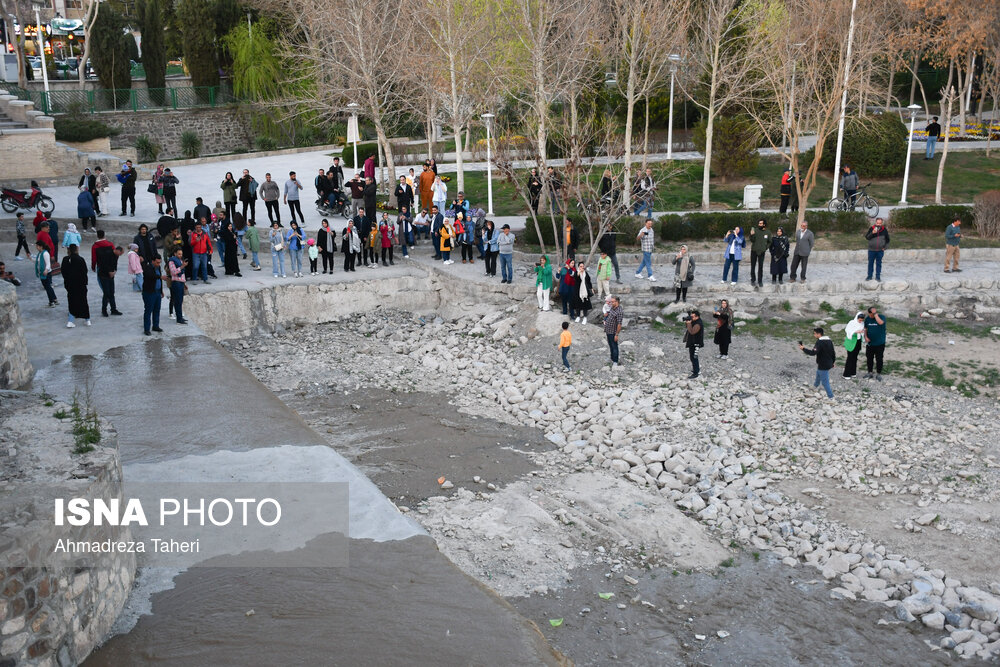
15 369
222 130
55 615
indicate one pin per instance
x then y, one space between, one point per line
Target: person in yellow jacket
373 246
565 341
447 235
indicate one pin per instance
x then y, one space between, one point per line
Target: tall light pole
40 41
353 130
843 104
488 121
914 108
674 59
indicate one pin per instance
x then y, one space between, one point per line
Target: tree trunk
913 80
22 76
380 133
949 98
629 121
888 95
645 138
88 23
456 124
429 128
706 176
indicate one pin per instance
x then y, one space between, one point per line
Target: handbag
55 270
151 188
850 343
277 247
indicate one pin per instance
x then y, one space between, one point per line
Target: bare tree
19 11
991 82
718 67
803 36
90 9
645 37
947 99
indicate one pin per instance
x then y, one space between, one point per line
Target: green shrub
147 149
874 146
364 150
266 143
930 217
190 144
708 226
734 144
627 229
80 129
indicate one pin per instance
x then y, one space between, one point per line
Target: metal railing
122 99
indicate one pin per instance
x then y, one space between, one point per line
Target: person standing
723 328
169 184
608 243
437 222
135 267
735 242
146 243
465 233
694 339
43 271
952 239
878 241
326 239
387 233
491 247
103 184
405 233
853 336
427 185
107 266
613 328
565 341
369 168
71 236
85 210
202 212
88 183
683 274
779 257
849 183
785 190
248 195
357 187
439 193
804 240
760 241
505 248
874 342
404 194
294 239
555 187
157 188
127 178
933 134
227 237
277 242
46 239
570 239
269 192
176 266
152 295
74 273
292 189
603 275
646 238
567 285
581 295
446 236
825 355
22 239
371 207
201 249
252 240
645 194
543 282
534 189
350 245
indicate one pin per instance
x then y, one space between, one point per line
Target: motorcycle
341 206
11 200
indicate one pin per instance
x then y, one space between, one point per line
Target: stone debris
717 450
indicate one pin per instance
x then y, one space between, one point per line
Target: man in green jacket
760 240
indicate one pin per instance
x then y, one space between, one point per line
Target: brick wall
222 130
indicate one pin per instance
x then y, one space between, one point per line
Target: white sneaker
638 275
652 279
733 283
722 282
577 319
724 356
70 325
18 258
585 320
283 275
87 323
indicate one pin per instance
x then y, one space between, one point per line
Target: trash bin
751 196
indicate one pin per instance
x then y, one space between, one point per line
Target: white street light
352 129
40 41
674 58
488 120
843 104
914 108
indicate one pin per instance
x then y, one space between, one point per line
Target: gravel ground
748 458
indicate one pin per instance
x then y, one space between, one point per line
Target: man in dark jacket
363 225
404 194
127 178
357 187
760 241
534 189
825 357
146 243
437 221
107 266
169 183
608 244
369 194
201 210
166 224
152 294
248 195
336 174
878 241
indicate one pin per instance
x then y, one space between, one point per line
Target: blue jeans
823 377
295 260
239 241
222 252
931 143
200 269
565 351
613 344
647 261
446 255
875 260
256 258
480 248
735 263
177 294
507 267
566 298
151 309
647 205
278 262
137 282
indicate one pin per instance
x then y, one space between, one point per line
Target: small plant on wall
190 144
147 150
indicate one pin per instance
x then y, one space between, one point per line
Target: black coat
578 303
147 246
779 255
608 242
74 273
824 352
369 194
404 197
202 211
150 274
321 239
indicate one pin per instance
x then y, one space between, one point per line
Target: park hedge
627 228
713 226
69 128
934 218
365 149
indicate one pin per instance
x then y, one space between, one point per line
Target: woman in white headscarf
854 333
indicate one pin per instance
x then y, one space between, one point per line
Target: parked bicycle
861 198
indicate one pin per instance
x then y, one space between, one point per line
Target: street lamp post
352 129
843 104
913 108
40 40
488 121
674 59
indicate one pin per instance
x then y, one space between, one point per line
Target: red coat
44 237
386 233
